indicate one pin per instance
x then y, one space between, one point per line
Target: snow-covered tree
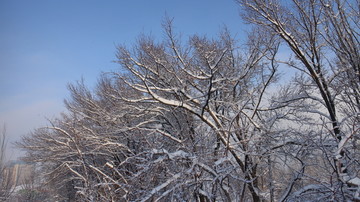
222 86
323 37
202 119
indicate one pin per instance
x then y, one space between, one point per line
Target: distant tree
2 147
30 187
6 183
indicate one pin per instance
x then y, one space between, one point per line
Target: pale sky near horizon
46 44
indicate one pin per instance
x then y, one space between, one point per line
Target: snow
221 160
161 186
355 181
172 155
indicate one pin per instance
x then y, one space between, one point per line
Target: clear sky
46 44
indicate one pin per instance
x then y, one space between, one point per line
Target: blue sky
46 44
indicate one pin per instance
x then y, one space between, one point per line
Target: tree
202 120
6 183
223 92
323 36
185 119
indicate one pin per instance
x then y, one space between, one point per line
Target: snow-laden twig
161 186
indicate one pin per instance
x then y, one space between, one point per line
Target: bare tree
189 120
324 39
2 147
200 120
6 182
222 86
